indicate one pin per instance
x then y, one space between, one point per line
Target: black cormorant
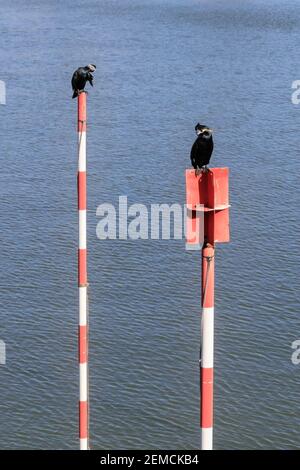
80 77
202 147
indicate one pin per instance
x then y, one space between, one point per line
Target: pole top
82 112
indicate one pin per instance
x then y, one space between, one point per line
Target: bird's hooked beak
92 67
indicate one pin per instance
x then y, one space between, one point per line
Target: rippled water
162 66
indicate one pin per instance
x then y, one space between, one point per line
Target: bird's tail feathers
75 94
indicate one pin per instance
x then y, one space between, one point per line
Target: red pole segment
82 278
207 348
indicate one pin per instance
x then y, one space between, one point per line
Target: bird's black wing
79 79
194 153
75 79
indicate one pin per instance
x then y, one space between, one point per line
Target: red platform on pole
208 192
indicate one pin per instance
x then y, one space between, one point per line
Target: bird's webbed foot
197 171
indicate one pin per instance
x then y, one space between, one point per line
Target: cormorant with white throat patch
202 148
80 77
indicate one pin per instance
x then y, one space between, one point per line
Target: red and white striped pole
207 347
82 278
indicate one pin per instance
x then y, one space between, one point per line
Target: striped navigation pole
207 347
207 200
82 278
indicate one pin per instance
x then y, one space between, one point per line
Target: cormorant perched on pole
80 77
202 148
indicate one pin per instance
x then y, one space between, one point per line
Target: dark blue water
162 66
